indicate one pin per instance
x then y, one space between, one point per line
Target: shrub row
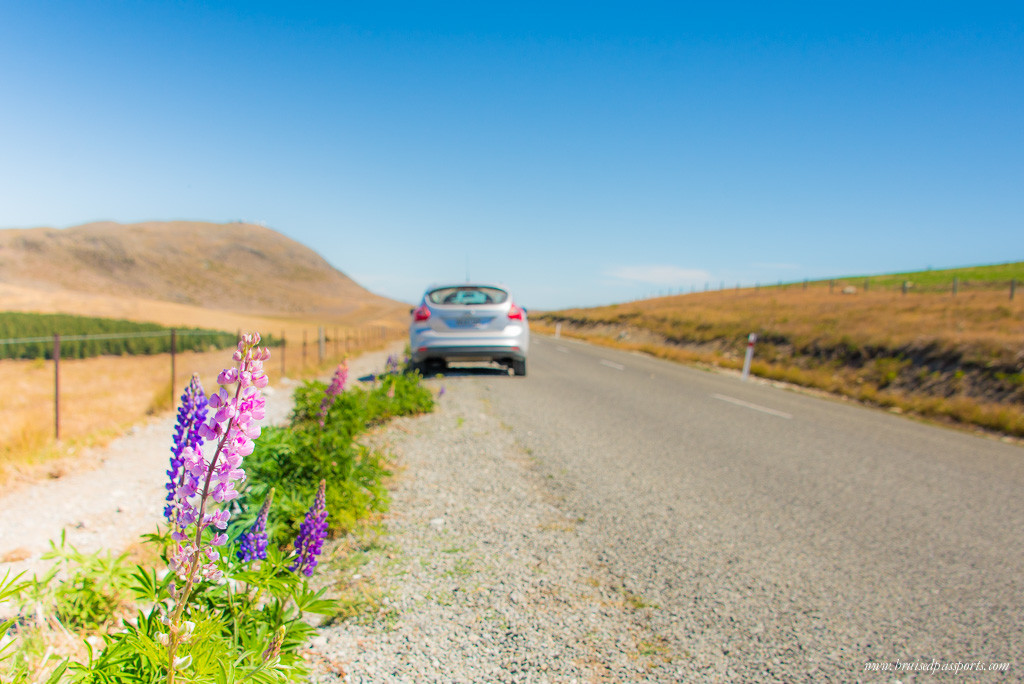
294 459
126 337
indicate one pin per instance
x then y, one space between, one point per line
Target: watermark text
935 666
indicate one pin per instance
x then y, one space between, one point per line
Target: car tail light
421 313
515 313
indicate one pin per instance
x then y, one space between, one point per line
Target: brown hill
166 271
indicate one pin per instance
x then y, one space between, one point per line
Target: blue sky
582 153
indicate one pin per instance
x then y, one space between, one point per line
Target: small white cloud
668 276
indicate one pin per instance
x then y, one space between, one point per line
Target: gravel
481 576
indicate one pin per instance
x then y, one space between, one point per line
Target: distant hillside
235 267
947 345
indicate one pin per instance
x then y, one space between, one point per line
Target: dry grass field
231 277
101 397
958 358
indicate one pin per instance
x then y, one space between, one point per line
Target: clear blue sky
582 153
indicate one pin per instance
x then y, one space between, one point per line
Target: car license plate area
469 322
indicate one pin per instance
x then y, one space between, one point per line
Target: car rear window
467 294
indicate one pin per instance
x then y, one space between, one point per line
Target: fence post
956 285
866 284
284 344
56 386
1013 286
303 350
320 344
906 286
831 286
173 341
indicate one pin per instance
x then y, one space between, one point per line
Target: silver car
469 322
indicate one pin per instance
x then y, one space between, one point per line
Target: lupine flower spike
274 648
253 545
337 387
191 415
206 483
312 533
232 427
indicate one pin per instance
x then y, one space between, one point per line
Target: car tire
519 367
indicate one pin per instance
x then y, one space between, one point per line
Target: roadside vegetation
228 594
945 345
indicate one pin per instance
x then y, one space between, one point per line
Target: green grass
988 277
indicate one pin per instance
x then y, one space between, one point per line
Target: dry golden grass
392 315
228 267
983 328
101 397
985 320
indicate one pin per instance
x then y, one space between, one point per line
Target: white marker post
750 355
558 330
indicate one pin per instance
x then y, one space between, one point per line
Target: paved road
798 537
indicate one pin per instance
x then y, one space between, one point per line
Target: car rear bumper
443 352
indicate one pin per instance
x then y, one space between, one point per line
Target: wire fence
325 341
922 285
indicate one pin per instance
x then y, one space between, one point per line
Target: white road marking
756 407
612 364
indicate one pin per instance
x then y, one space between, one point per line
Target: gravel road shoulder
481 577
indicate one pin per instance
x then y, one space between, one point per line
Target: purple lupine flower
337 387
253 545
440 392
191 415
232 427
312 533
391 365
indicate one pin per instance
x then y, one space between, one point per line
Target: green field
996 277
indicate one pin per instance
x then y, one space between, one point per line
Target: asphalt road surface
804 538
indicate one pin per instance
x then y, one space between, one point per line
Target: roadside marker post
558 330
750 355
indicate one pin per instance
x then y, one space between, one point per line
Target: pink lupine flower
336 387
232 427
